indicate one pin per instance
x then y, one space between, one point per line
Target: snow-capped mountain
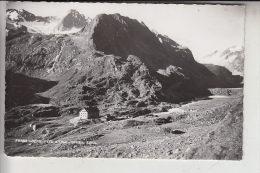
21 15
73 20
231 58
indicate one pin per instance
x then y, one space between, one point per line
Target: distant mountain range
25 16
72 22
111 60
231 58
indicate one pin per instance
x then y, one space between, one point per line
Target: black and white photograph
124 80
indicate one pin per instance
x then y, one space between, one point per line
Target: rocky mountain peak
73 19
73 11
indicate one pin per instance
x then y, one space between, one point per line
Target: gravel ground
205 129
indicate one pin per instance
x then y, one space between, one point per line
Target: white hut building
83 114
89 112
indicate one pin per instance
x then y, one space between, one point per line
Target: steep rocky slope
113 60
122 36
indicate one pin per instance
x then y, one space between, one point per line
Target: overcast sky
202 28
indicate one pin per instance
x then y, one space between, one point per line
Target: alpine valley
153 99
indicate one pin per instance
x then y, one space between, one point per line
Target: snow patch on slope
13 15
46 29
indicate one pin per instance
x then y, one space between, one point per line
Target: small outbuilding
89 112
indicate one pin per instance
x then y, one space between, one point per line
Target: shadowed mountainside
113 60
22 90
225 74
